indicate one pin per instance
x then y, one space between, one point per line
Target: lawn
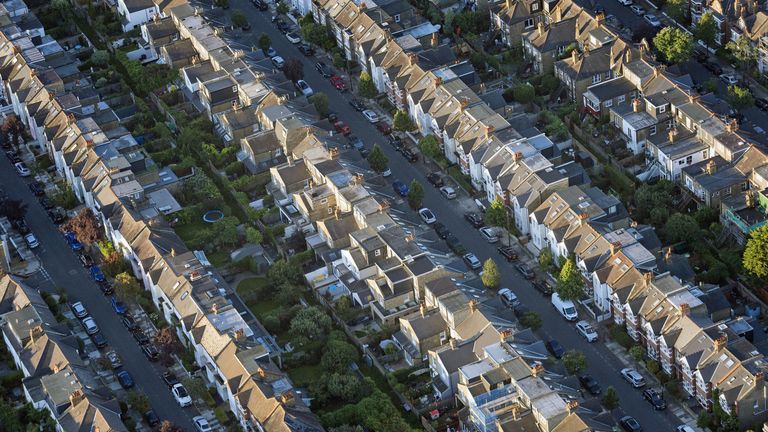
304 376
248 289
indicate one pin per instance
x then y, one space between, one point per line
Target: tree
100 57
283 271
402 122
574 361
320 101
85 226
314 33
706 30
682 227
282 8
137 400
430 146
377 159
338 355
610 398
253 235
310 323
264 42
570 284
195 387
221 3
755 259
704 420
523 93
743 51
546 260
168 345
127 288
365 87
740 97
339 60
532 320
637 352
491 277
293 69
497 214
167 426
239 19
13 130
13 209
677 9
657 196
62 7
674 44
415 194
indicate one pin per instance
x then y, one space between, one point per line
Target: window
377 252
621 99
608 75
535 7
608 103
529 23
652 130
704 154
689 159
397 18
595 78
670 123
662 108
234 89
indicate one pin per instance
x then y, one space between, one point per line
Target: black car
85 259
355 142
46 203
307 50
713 67
629 424
324 70
151 418
456 246
474 219
362 319
141 337
410 154
655 399
170 379
441 230
21 226
358 105
555 348
150 350
57 216
761 103
37 188
543 287
99 340
525 271
508 252
130 323
435 179
282 26
396 143
520 310
106 288
700 56
590 384
261 5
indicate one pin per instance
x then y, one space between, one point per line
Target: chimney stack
452 343
473 305
437 80
574 55
668 254
35 332
423 309
413 58
504 335
239 334
721 342
434 40
558 14
464 103
711 167
648 277
75 397
636 105
215 308
672 134
287 398
615 247
628 55
488 132
685 309
517 156
537 369
572 405
541 28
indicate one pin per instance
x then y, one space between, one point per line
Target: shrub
620 336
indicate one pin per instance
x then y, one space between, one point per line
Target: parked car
474 219
140 337
448 192
85 259
304 88
46 203
655 399
455 245
638 10
519 310
170 379
543 287
271 52
31 241
472 261
151 418
72 241
626 2
489 234
117 305
22 169
652 20
713 67
410 154
633 377
508 297
358 105
21 226
307 50
278 61
684 428
341 128
150 350
525 271
396 143
566 308
761 103
586 330
282 26
508 252
362 319
130 323
590 384
324 70
79 310
355 142
293 38
699 55
387 172
114 359
57 215
99 340
384 127
435 179
554 348
441 230
181 395
371 116
125 380
37 188
338 83
400 188
201 424
106 288
90 325
260 5
629 424
427 216
97 274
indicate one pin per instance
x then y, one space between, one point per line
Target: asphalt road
602 363
67 272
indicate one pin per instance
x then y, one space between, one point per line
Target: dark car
57 216
140 337
97 274
324 70
21 226
37 188
543 287
714 68
435 179
655 399
525 271
555 348
307 50
358 105
396 143
125 379
761 103
99 340
410 154
85 259
362 319
520 310
151 418
456 246
72 241
261 5
629 424
590 384
384 127
282 26
700 56
46 203
106 288
150 350
130 323
441 230
400 188
170 379
355 142
508 252
474 219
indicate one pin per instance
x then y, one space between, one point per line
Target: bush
620 336
235 168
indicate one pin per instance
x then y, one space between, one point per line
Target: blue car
400 188
96 274
125 379
72 241
117 305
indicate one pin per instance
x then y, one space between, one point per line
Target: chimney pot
473 305
648 277
572 405
615 247
537 369
636 105
423 309
685 309
504 335
721 342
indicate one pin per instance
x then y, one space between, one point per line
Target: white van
566 308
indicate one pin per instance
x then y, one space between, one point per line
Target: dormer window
595 78
529 23
662 109
397 18
535 7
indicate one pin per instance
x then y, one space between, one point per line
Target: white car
626 2
586 330
22 169
448 192
387 172
201 424
293 38
729 79
278 62
79 310
31 241
90 326
508 297
304 88
472 261
638 10
489 234
427 216
633 377
371 116
652 20
181 395
684 428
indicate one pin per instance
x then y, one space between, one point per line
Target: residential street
65 271
602 363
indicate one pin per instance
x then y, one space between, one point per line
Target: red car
384 127
338 82
342 128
